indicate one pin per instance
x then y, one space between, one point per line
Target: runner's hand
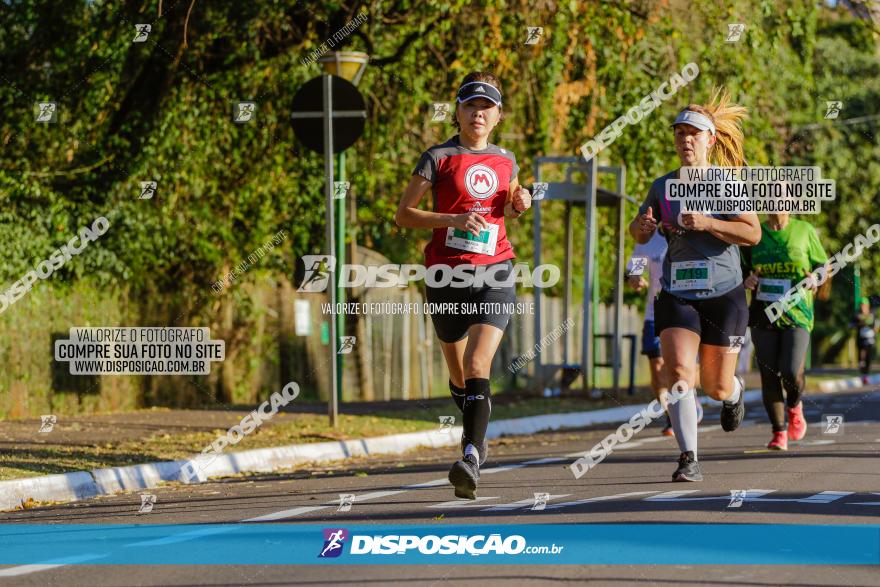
814 285
636 282
522 200
470 222
751 282
696 221
647 222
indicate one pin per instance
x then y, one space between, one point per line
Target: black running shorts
714 319
476 305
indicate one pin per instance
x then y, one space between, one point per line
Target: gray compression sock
683 414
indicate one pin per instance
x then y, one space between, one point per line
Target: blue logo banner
554 544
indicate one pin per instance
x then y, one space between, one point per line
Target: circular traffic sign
310 99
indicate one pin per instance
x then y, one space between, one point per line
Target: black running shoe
483 449
688 468
464 476
732 414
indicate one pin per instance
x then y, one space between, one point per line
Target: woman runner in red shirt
474 187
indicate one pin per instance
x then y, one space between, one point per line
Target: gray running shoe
688 468
464 476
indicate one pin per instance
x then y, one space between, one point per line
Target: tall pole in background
340 261
314 107
333 403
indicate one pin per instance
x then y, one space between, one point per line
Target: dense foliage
161 110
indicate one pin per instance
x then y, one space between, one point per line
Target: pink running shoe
779 442
797 425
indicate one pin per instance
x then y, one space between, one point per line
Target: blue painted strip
298 544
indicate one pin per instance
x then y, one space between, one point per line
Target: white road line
288 513
428 484
819 442
519 504
671 495
298 511
823 497
752 495
27 569
596 499
544 461
292 513
656 439
63 562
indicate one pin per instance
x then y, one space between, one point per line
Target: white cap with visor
695 119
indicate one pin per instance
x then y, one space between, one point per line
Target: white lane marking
642 441
544 461
427 484
502 468
462 503
819 442
823 497
529 501
288 513
655 439
753 495
445 481
675 495
626 445
292 513
27 569
62 562
596 499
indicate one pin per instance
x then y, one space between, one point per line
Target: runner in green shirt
789 250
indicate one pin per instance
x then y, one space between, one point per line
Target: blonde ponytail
727 118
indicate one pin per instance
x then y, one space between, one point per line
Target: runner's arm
408 213
744 229
509 212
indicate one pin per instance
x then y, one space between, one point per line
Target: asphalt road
824 479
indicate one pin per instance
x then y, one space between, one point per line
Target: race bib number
866 333
687 275
466 241
772 290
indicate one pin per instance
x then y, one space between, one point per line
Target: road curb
850 383
61 487
80 485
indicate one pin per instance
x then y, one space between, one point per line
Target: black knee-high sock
458 394
477 409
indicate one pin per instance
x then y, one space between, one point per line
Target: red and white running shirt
465 180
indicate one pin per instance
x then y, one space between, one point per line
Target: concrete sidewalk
86 484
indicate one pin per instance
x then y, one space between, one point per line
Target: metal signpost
337 98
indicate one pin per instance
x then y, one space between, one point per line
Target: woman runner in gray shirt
701 308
